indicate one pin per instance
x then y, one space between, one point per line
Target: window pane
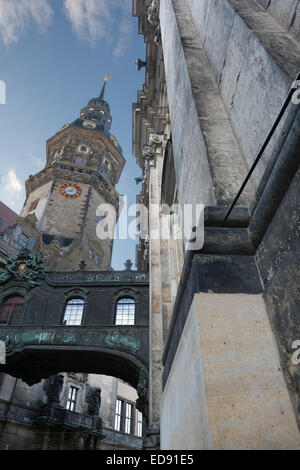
139 424
72 398
118 415
125 312
22 241
74 312
10 308
128 418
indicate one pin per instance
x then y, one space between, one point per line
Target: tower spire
104 85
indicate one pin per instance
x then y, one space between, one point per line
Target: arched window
10 308
74 312
125 312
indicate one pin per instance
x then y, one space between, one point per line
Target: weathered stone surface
283 11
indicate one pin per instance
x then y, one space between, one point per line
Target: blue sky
53 58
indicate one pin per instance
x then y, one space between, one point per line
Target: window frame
70 400
67 302
118 302
139 424
11 313
25 236
123 418
118 415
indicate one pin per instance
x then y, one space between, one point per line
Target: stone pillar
154 153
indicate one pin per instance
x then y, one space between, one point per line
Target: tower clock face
70 190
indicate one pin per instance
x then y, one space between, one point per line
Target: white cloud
16 14
11 190
125 29
96 19
11 182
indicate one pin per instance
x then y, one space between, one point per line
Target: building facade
224 316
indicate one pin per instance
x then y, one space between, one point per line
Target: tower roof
96 115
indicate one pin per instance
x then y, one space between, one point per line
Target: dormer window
23 240
83 148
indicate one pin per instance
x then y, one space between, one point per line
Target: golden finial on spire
106 77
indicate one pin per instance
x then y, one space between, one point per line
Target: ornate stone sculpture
155 139
128 264
157 35
24 268
53 387
142 403
152 13
146 248
149 151
93 400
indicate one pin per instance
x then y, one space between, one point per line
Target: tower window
72 398
104 173
125 314
23 240
96 259
74 312
90 253
10 308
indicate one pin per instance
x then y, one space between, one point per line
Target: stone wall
227 369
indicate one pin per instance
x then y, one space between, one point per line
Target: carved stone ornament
24 268
146 248
93 399
142 403
53 387
128 264
157 36
149 151
155 139
29 219
152 13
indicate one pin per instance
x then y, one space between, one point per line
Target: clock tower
84 163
